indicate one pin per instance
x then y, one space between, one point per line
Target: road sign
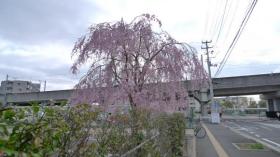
215 112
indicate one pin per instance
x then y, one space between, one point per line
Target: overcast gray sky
36 36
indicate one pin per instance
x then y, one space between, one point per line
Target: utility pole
207 47
5 99
45 84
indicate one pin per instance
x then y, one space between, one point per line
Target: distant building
18 86
237 101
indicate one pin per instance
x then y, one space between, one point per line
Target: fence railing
139 146
245 111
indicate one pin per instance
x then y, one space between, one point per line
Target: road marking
259 140
219 149
251 132
243 128
277 126
253 128
267 140
265 127
257 135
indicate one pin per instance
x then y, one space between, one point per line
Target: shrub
79 131
43 131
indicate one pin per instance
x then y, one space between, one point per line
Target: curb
189 144
257 140
217 146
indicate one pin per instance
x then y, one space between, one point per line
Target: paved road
267 131
226 137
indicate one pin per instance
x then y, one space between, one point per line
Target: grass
256 146
249 146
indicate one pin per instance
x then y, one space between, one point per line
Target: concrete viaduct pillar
203 98
274 104
273 100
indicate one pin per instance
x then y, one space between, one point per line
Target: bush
172 131
79 131
44 131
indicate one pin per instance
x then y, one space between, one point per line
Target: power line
234 13
207 20
231 21
215 18
266 66
222 21
242 65
233 43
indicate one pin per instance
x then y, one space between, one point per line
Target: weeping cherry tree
135 63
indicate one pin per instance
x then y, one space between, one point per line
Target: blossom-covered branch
136 63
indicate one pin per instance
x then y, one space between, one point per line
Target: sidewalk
204 148
225 137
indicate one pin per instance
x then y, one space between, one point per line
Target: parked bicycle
199 131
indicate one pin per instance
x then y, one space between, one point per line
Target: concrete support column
273 100
270 105
189 144
273 104
204 98
276 104
204 110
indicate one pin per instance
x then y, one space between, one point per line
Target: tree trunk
135 130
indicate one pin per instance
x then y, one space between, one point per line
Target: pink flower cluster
135 63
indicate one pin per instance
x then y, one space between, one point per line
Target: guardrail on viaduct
227 86
247 85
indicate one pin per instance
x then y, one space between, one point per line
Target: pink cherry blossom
135 63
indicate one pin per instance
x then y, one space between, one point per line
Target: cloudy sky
36 36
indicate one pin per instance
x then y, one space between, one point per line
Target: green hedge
84 131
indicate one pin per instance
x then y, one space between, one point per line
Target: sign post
215 116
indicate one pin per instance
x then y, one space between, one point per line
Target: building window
18 83
9 88
20 89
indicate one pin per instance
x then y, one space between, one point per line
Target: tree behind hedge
135 62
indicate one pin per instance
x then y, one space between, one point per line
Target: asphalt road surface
267 131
